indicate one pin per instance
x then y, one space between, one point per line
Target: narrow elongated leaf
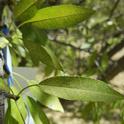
37 112
80 88
8 117
45 99
59 16
15 111
25 9
40 53
17 108
35 41
54 59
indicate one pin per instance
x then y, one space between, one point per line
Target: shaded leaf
40 3
37 112
54 59
104 61
80 88
25 9
59 16
48 70
33 40
91 59
34 34
41 53
87 111
8 117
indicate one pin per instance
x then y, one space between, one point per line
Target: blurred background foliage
84 49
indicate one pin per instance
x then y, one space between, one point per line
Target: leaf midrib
32 21
88 91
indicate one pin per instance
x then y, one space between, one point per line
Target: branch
114 8
116 34
8 95
115 49
116 67
113 70
70 45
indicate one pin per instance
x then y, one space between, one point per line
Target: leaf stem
27 88
20 112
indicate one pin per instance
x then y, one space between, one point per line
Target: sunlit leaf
59 16
18 107
3 42
3 85
80 88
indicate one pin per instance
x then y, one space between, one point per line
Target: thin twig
114 8
70 45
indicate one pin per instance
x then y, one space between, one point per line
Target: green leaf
59 16
41 53
34 34
87 112
48 70
18 107
50 101
33 41
8 117
54 59
10 120
4 86
79 88
25 9
3 42
36 112
40 4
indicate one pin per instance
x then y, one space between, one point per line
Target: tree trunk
2 97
